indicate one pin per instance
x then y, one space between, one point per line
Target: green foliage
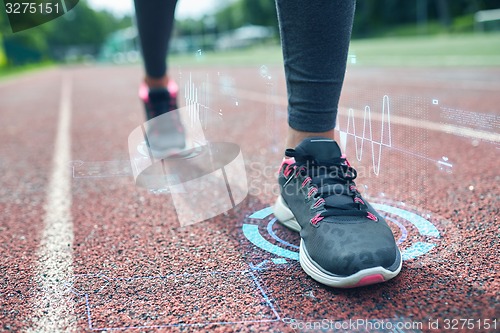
230 17
246 12
85 29
373 17
260 12
3 57
82 28
463 23
378 17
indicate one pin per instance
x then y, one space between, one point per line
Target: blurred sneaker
344 241
165 132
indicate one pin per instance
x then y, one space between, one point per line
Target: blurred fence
123 46
486 20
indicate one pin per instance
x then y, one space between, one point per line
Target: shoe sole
364 277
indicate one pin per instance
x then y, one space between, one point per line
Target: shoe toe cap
345 250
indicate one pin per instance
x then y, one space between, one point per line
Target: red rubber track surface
136 269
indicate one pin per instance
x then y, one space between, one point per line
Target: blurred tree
22 47
260 12
373 17
443 9
189 27
3 29
231 17
3 57
81 30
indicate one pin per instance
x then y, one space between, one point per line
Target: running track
84 249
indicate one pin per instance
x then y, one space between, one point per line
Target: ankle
152 83
295 137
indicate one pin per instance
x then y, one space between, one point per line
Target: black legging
315 36
155 19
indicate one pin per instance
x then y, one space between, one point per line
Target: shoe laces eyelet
318 203
316 219
297 173
312 192
289 169
358 200
371 217
306 181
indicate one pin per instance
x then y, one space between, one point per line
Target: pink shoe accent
318 203
359 200
371 216
315 220
312 191
287 162
370 279
173 88
144 92
346 161
298 173
306 181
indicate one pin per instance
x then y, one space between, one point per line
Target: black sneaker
164 130
344 241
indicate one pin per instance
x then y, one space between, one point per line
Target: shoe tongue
322 149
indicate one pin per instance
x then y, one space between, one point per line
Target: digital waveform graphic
376 142
197 101
203 102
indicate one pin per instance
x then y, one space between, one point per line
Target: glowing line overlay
250 273
273 235
367 133
262 214
251 232
196 99
424 227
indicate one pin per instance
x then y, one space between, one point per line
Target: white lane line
399 120
433 126
52 311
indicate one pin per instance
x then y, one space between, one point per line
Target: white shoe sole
285 215
362 278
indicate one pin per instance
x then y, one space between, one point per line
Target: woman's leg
315 38
154 22
165 134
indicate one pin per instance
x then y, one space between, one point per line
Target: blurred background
456 32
